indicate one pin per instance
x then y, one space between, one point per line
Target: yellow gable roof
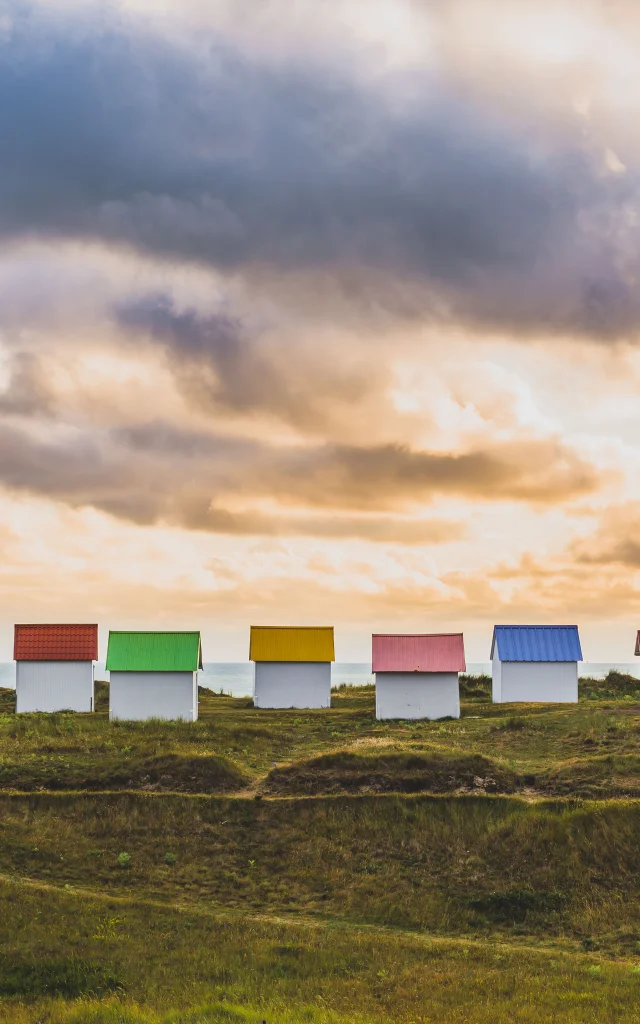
291 643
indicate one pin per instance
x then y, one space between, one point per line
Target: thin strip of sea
236 677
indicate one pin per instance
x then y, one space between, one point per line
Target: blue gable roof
537 643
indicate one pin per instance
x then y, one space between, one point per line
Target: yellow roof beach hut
292 666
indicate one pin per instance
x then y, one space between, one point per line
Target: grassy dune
321 866
590 750
463 866
130 961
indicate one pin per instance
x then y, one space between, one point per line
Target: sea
235 678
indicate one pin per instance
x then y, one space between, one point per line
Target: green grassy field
320 866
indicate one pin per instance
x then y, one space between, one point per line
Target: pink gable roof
435 652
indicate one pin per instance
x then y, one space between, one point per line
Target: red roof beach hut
54 666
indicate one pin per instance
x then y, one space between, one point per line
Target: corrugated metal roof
291 643
55 642
537 643
154 652
422 652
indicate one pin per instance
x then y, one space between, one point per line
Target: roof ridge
54 625
459 633
156 632
543 625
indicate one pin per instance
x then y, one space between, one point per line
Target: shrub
475 687
124 860
614 684
170 858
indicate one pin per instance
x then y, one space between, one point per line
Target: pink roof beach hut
417 674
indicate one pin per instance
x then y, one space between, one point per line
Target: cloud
616 540
311 181
220 362
158 473
27 390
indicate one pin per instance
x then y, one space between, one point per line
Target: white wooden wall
417 695
543 682
54 686
292 684
138 696
496 679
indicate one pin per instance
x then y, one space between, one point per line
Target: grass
414 863
321 866
102 961
587 750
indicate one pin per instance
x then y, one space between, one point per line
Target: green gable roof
154 652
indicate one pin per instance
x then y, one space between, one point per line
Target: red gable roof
56 643
437 652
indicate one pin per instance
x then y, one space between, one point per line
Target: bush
615 684
170 858
124 860
512 724
475 688
101 695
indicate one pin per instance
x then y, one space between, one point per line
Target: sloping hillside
321 866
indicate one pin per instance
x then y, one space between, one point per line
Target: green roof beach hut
154 675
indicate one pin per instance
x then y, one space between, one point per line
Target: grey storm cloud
218 360
157 473
28 392
443 208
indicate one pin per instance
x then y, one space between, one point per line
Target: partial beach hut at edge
154 675
292 666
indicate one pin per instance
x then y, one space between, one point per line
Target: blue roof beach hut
535 664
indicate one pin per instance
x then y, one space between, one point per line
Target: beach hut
292 666
535 664
54 667
154 675
417 674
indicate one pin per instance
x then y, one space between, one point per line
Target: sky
321 312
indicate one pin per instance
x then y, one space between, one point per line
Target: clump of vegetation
124 860
345 688
475 688
614 685
173 772
7 701
512 724
101 696
391 772
170 859
515 905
